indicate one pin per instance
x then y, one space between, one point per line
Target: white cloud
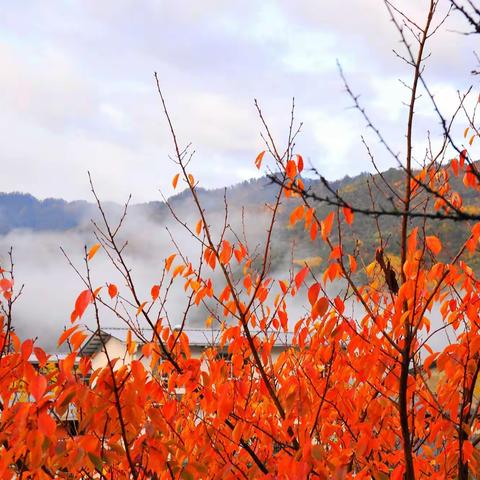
77 88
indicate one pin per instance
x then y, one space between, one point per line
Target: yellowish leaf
93 251
175 180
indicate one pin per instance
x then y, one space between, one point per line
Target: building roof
198 337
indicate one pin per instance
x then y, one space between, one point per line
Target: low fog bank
51 285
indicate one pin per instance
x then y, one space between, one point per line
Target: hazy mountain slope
23 211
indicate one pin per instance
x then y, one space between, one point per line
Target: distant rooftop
200 337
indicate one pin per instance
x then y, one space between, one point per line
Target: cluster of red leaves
326 406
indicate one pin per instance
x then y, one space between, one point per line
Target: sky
77 90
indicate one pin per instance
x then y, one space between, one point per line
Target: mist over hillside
37 229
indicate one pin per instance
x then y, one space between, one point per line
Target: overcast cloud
77 89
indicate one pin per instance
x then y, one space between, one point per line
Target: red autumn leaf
42 357
77 339
434 244
339 305
348 214
313 292
336 252
93 251
397 473
299 162
73 316
412 241
27 349
46 424
155 292
353 263
258 160
300 277
226 252
66 334
467 450
37 386
320 307
327 225
291 169
147 349
175 180
240 252
82 302
169 260
454 165
5 284
112 290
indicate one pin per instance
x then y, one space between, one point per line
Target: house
114 341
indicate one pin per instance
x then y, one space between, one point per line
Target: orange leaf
155 292
37 386
82 302
112 290
412 241
147 349
283 319
93 251
320 307
66 334
397 473
434 244
336 252
353 263
327 225
191 180
131 344
300 277
42 357
46 424
169 260
348 213
175 180
297 214
300 162
258 160
198 228
454 165
226 252
5 284
467 450
240 252
27 349
77 339
313 292
73 316
339 305
291 169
